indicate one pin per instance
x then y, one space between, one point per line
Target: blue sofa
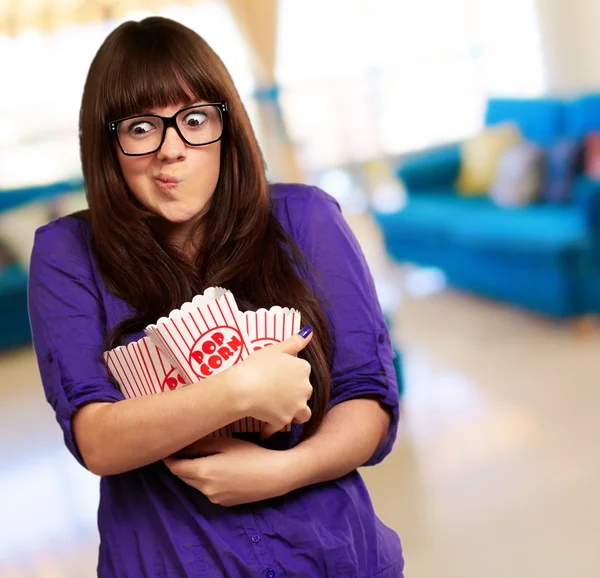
544 257
14 317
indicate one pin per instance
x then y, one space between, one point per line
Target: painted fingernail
305 331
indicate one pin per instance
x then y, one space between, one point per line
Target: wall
570 38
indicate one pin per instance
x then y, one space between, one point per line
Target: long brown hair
156 63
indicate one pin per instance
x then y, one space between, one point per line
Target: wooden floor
495 472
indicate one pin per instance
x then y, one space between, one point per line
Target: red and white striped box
263 328
141 368
204 336
266 327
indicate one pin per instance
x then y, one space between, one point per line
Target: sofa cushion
591 153
534 229
481 155
480 223
435 167
562 162
428 216
541 120
519 176
582 116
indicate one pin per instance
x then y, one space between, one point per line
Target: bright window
360 78
365 78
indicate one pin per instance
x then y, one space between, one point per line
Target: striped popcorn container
268 327
263 328
141 368
204 336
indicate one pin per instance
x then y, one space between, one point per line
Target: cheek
134 170
127 166
207 169
217 163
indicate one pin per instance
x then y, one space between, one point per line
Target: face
177 182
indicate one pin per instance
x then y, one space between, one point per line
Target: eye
195 119
140 128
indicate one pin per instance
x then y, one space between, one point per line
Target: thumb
268 430
298 342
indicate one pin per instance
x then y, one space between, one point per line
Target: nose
173 148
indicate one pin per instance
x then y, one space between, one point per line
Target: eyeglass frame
113 126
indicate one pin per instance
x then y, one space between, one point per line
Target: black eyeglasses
143 134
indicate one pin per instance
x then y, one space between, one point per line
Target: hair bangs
168 73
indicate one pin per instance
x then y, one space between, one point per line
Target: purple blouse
154 525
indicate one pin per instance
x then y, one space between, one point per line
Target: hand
275 384
234 471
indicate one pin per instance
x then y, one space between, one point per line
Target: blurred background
462 140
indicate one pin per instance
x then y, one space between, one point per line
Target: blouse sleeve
362 349
68 324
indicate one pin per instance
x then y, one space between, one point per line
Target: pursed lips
166 181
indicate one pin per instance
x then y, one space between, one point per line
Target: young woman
178 201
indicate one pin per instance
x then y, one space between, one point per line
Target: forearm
117 437
347 438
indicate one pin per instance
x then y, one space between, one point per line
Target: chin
181 214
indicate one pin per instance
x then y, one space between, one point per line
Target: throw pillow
519 176
592 155
562 162
481 155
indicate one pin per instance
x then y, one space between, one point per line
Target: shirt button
381 338
270 573
255 538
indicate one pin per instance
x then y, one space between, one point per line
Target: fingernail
305 331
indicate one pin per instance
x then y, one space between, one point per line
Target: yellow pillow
481 155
